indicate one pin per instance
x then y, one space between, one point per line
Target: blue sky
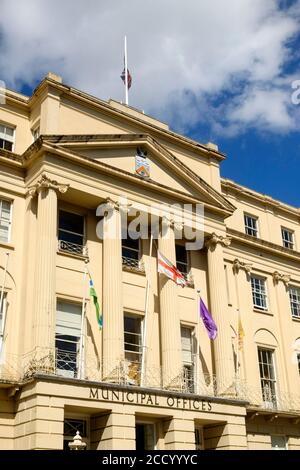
216 71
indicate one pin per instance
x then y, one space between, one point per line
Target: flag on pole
241 334
208 321
129 78
93 294
165 267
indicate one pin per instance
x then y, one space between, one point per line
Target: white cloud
205 47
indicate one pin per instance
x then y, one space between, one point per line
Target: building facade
76 173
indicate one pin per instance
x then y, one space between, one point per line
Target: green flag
95 299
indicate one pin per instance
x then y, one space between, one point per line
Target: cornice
264 199
263 245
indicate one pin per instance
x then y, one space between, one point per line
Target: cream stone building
138 383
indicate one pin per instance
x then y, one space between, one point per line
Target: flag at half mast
129 78
93 294
164 266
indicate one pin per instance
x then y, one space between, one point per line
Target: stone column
223 354
281 284
169 314
45 264
113 315
242 271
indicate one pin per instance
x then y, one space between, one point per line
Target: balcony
72 248
133 265
65 364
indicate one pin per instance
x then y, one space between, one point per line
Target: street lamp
77 443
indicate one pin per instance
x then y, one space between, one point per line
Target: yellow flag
241 334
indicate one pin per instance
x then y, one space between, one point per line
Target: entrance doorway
145 436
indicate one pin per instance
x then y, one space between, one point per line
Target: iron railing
62 363
131 264
72 248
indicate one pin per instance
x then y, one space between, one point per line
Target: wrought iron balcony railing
72 248
63 363
131 264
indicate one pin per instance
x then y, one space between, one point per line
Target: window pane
71 222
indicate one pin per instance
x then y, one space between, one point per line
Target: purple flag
208 321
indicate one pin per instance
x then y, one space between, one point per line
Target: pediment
142 156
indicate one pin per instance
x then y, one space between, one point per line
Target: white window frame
141 319
264 294
269 404
10 139
296 294
285 439
35 131
191 364
249 227
10 218
289 242
3 317
60 371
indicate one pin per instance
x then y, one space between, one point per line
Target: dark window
181 259
71 228
71 426
4 144
131 248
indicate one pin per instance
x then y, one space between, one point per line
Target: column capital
237 265
117 205
215 239
46 183
285 278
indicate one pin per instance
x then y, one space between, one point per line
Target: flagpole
2 301
126 70
146 316
81 342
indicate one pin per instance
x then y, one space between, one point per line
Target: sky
214 70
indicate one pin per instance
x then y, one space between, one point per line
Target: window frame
273 382
10 201
78 417
248 227
297 290
291 242
35 131
191 366
64 371
285 439
188 260
265 294
136 250
13 139
84 234
140 318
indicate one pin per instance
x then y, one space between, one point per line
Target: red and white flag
164 266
